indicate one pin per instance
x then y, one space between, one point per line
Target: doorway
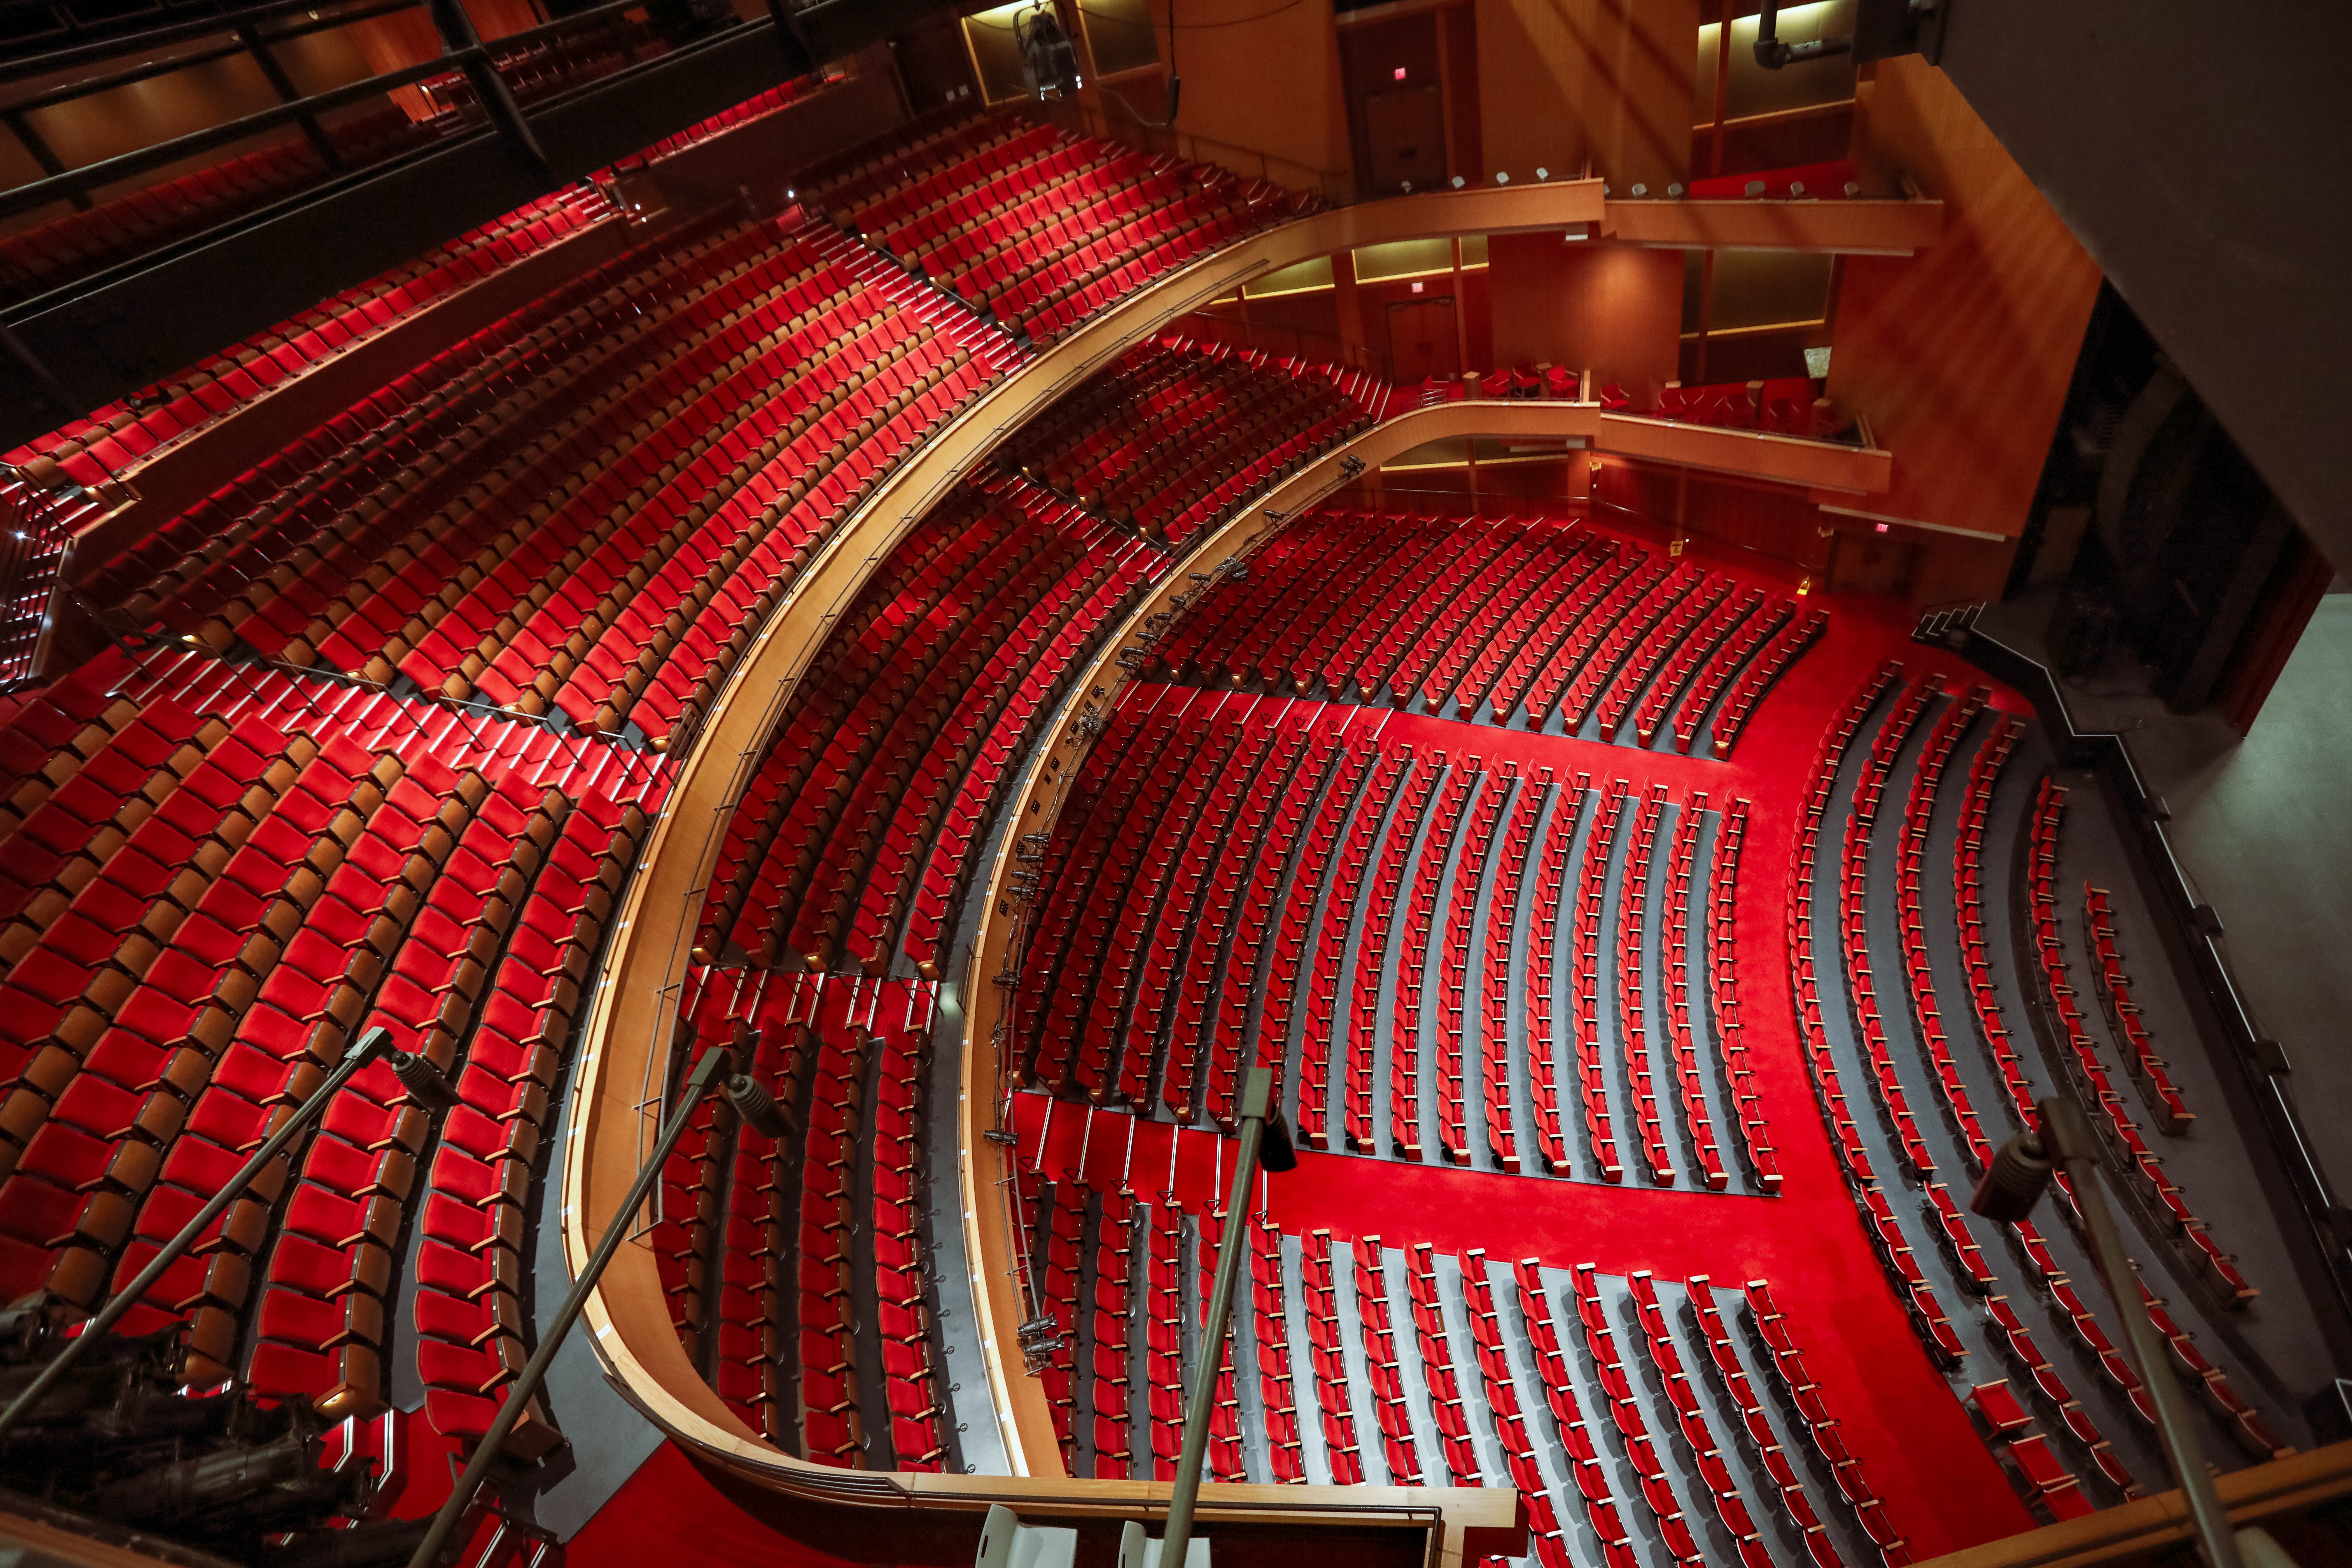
1421 340
1405 132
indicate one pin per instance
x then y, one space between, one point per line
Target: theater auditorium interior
718 716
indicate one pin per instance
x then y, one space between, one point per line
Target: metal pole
2068 1133
364 1050
1256 1097
713 1065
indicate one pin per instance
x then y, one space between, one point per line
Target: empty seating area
206 904
1491 619
1421 1014
568 518
1177 434
1038 228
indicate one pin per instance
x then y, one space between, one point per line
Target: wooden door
1406 131
1421 342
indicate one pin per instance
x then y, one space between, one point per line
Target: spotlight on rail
423 1081
758 1107
1049 62
2015 1180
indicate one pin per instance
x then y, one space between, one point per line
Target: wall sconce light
1853 189
1754 187
1542 173
1457 182
1796 187
1502 176
1399 73
1675 189
1804 587
1416 284
1641 190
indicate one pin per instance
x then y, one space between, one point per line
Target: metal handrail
115 42
147 69
92 177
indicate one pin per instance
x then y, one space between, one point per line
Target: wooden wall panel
1959 356
1559 80
1616 309
1269 81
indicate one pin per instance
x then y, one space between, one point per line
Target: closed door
1420 339
1406 130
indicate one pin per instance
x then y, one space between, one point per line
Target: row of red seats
1177 434
1110 1321
2006 1416
1571 618
861 816
1400 826
1502 1402
1631 1427
1682 627
1783 407
1454 968
893 160
1758 677
1723 997
1543 939
1910 1281
2114 986
1340 854
1731 1373
1223 1461
968 160
1381 1367
1477 611
1829 1093
1584 983
2117 1125
1632 1009
1190 959
1647 624
1918 812
1444 823
759 106
1270 1328
1691 1427
1326 1353
1681 872
1717 663
1968 892
1502 924
1053 1227
1822 1425
1446 1406
2047 1479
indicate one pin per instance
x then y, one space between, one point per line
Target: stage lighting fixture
423 1081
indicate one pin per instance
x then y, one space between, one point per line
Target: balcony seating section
1494 970
2151 1187
112 440
1794 1382
1040 228
1785 405
2113 985
757 107
198 927
1178 433
1723 998
1817 181
1682 870
859 823
544 580
1756 679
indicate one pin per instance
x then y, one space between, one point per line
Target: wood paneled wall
1613 309
1562 80
1959 356
1259 78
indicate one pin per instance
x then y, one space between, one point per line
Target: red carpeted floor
1942 1486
